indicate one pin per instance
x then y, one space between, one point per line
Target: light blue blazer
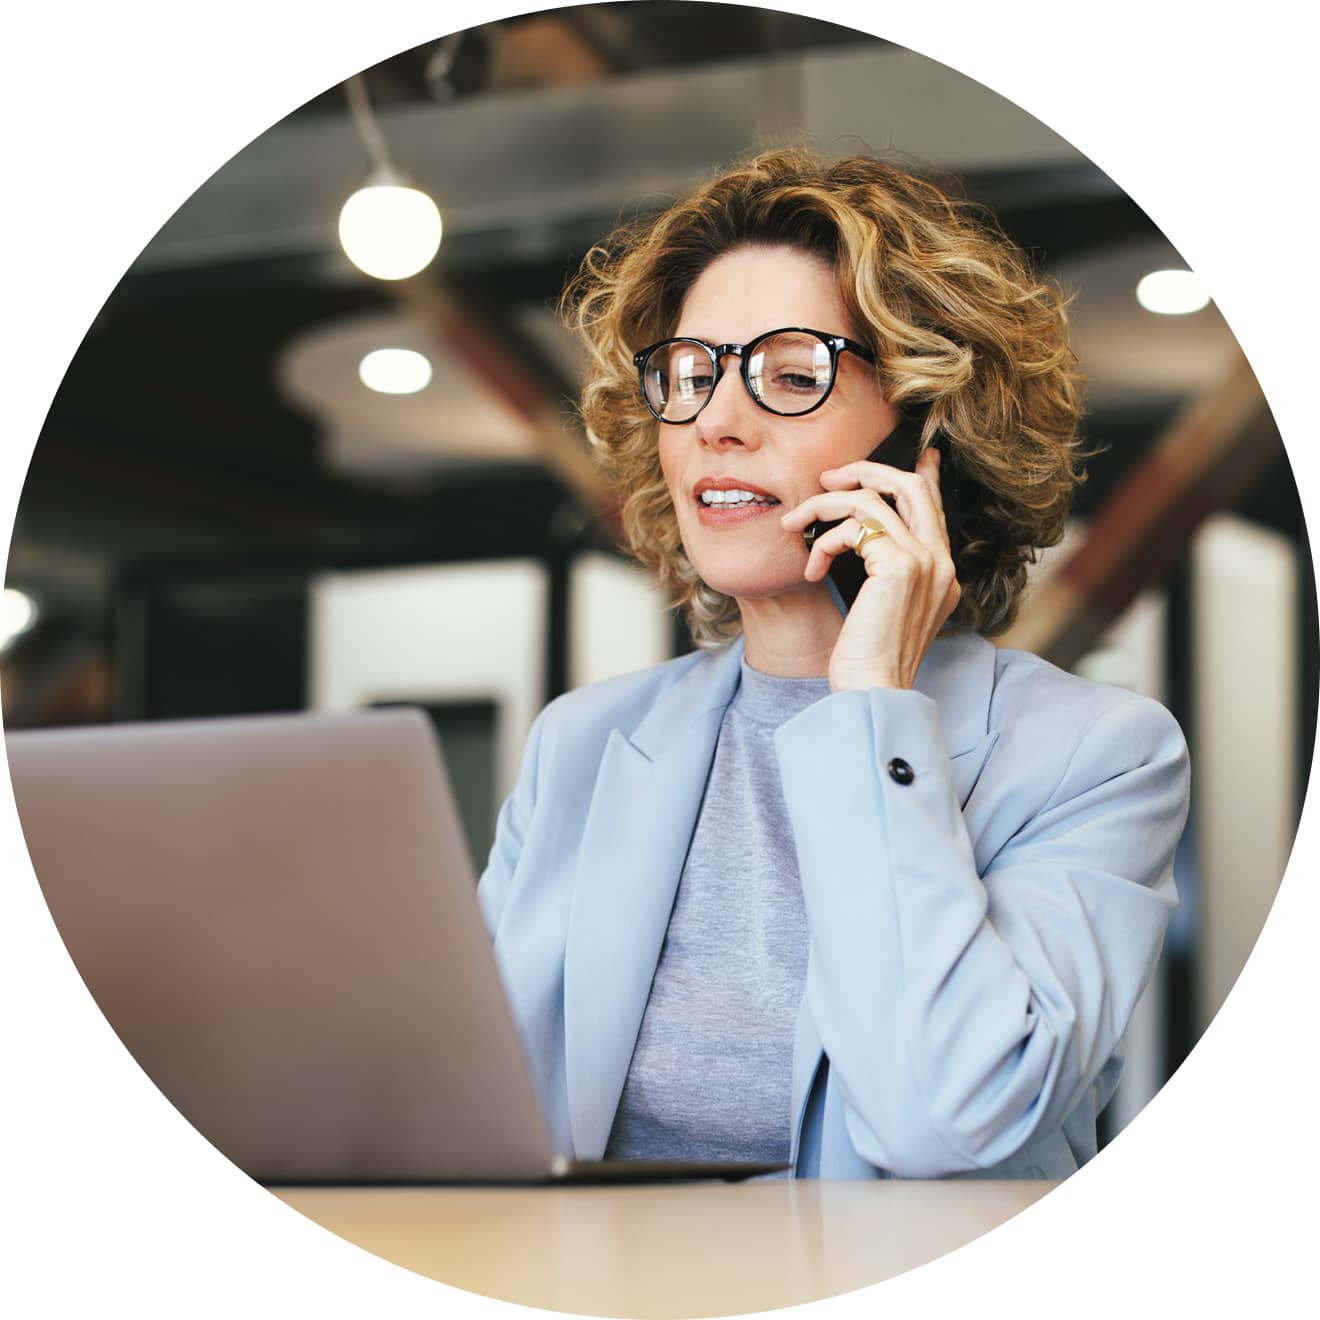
978 936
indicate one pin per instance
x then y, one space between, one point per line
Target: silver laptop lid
277 915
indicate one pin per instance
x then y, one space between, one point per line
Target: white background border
114 113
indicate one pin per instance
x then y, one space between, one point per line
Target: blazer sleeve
964 1011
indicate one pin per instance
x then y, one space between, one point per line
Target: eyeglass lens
787 373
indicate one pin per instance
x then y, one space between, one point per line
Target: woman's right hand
911 587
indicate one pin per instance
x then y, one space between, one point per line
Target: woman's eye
692 387
800 381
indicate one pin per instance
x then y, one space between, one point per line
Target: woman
856 891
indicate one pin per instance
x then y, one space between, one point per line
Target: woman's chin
743 586
752 569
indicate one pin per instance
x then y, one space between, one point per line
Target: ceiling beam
1208 456
557 440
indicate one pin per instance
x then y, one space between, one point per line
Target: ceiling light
395 371
1172 292
389 231
18 612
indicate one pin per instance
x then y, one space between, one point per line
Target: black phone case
900 449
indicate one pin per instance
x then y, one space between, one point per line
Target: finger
860 502
837 541
929 465
915 488
843 538
918 497
833 504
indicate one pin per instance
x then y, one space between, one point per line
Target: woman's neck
792 636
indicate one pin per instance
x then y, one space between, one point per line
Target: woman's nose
730 417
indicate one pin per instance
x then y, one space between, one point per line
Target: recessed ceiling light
395 371
18 612
1172 292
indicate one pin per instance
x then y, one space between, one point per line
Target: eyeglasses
789 372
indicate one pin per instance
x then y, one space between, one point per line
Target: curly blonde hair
961 327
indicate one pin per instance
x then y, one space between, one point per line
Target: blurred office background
221 517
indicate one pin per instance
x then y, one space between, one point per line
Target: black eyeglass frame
718 352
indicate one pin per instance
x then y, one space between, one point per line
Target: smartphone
900 449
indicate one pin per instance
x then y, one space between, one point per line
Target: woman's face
734 443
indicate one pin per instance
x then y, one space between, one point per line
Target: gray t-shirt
710 1073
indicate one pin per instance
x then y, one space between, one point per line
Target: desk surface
666 1250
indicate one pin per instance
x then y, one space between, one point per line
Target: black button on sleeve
900 772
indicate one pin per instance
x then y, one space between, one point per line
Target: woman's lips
726 502
730 502
733 515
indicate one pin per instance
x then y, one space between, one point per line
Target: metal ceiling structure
210 425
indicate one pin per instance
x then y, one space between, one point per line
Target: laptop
278 917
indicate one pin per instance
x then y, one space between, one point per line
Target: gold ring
870 529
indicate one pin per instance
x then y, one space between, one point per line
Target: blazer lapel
648 792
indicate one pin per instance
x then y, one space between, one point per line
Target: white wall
618 621
477 631
1132 655
1244 722
1244 676
433 634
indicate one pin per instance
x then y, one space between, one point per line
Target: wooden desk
668 1250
